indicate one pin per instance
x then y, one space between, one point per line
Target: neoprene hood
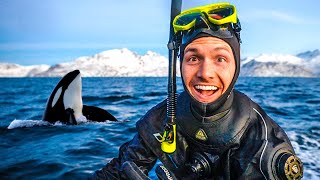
224 102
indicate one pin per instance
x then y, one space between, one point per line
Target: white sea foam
31 123
27 123
306 151
81 119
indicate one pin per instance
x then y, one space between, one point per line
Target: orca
65 103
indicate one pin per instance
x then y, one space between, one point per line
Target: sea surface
33 149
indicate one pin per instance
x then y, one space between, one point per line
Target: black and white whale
65 103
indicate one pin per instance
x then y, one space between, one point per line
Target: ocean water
33 149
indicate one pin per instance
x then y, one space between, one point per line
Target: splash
32 123
27 123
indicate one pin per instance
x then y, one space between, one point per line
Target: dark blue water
32 149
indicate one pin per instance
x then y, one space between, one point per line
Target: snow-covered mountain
305 64
117 62
16 70
124 63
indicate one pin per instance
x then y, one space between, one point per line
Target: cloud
278 16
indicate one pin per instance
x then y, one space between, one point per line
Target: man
221 133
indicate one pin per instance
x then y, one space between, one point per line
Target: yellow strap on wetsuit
168 144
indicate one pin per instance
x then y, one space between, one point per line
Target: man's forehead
210 42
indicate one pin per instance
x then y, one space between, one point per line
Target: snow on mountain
124 63
274 69
308 55
16 70
305 64
117 62
312 60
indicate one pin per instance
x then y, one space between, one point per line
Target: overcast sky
54 31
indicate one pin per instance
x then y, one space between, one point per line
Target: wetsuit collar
210 112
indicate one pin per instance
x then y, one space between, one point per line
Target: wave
27 123
112 98
32 123
35 123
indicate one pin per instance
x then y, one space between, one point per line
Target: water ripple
73 152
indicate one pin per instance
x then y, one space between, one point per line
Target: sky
56 31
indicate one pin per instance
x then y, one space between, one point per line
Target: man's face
208 68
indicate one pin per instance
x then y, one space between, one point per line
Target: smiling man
208 68
221 133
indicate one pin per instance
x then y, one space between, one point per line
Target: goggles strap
175 42
237 28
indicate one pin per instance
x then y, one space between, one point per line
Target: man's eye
221 59
193 59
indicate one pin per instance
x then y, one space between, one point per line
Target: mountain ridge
126 63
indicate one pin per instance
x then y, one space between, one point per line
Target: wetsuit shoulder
261 120
265 139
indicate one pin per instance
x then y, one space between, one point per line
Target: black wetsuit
246 140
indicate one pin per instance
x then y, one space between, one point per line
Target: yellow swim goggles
218 14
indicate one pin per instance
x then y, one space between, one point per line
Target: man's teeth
206 88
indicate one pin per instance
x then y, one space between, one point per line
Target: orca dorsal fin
97 114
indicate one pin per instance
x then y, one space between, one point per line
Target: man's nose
206 70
